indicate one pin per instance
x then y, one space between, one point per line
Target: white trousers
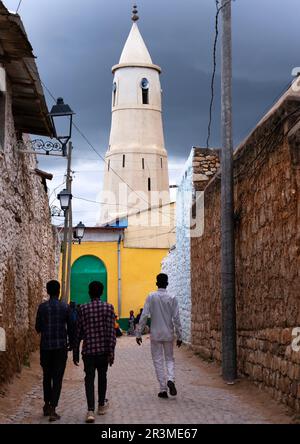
163 359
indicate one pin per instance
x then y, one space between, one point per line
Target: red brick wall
267 235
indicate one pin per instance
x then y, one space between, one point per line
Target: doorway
85 270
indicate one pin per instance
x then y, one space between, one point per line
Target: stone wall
28 249
267 235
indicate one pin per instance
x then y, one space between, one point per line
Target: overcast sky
78 41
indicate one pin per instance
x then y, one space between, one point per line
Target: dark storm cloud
78 41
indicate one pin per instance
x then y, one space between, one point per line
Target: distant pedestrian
131 325
96 327
53 322
163 309
117 328
137 319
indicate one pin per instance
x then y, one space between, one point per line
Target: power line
56 188
96 202
19 5
124 206
212 86
94 149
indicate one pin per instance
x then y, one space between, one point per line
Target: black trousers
53 363
91 364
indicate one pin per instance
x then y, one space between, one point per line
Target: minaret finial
135 16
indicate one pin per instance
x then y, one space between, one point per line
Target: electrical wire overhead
19 6
212 86
97 153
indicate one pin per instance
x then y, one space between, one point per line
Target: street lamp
79 232
62 120
65 199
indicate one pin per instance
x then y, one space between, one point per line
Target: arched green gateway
84 271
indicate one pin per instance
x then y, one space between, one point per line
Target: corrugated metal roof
16 55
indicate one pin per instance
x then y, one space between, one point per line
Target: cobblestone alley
202 396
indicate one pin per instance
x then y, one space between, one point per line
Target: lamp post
61 116
64 198
79 232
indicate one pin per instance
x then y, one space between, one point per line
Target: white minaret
136 155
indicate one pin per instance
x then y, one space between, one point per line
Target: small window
161 162
123 160
114 93
149 184
145 97
108 167
145 91
143 164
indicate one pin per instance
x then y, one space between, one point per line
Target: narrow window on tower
114 93
123 160
149 184
145 91
143 164
108 167
161 162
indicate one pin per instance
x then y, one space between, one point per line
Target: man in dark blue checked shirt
96 327
53 322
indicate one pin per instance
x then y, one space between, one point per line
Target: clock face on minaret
137 157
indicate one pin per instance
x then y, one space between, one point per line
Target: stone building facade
200 167
28 246
267 236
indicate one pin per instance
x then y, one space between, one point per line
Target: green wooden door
84 271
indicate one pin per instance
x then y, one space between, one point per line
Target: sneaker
90 417
53 416
46 410
172 388
102 409
163 395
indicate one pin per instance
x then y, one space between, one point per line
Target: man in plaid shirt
96 327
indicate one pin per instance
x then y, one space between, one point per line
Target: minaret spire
135 16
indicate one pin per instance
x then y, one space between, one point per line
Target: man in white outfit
163 309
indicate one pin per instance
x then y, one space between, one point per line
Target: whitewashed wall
178 262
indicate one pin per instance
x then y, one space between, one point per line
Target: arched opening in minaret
143 163
114 93
124 160
149 184
145 97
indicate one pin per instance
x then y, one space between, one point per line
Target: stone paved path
202 395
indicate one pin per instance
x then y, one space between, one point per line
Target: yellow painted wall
139 268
